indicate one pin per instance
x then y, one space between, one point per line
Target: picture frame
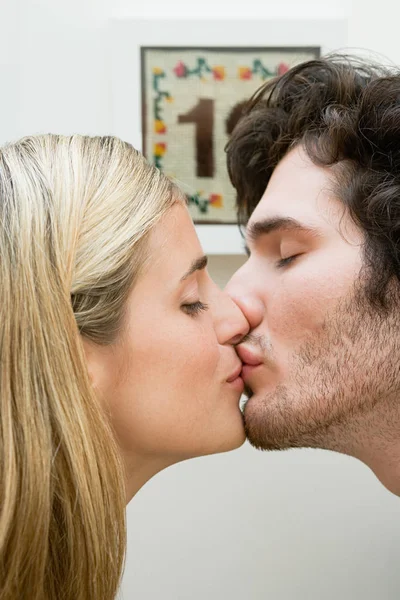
192 98
129 41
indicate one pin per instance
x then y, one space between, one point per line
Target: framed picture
176 88
191 100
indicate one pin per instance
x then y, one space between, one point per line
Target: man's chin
271 426
251 417
262 427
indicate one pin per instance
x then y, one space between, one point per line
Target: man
315 161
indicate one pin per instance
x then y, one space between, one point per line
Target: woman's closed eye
194 308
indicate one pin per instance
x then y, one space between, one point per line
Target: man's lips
250 359
247 371
248 356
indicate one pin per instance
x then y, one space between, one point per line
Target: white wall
54 59
300 525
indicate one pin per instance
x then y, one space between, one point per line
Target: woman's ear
104 365
96 361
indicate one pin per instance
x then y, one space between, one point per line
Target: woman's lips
235 379
235 374
238 384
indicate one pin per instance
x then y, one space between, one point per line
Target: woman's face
171 380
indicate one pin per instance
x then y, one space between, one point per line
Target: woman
117 357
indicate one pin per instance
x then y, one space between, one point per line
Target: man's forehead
296 178
298 190
322 216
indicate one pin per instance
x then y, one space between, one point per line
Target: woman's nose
231 324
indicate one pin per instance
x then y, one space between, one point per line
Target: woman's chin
231 438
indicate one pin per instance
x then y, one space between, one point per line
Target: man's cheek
294 318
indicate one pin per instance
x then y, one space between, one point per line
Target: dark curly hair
345 112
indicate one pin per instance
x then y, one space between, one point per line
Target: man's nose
247 300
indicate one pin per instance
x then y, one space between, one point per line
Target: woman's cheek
205 363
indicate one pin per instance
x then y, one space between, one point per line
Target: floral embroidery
216 200
180 69
245 73
201 69
258 68
159 150
159 126
203 204
219 73
159 95
282 68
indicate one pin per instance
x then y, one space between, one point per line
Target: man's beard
341 381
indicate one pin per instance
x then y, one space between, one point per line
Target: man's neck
384 460
373 438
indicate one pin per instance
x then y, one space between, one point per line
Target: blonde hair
75 214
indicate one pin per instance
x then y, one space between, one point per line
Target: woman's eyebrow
197 265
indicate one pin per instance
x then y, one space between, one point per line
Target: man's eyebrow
277 224
197 265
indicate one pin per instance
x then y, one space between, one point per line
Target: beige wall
222 267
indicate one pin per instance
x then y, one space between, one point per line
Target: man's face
319 358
